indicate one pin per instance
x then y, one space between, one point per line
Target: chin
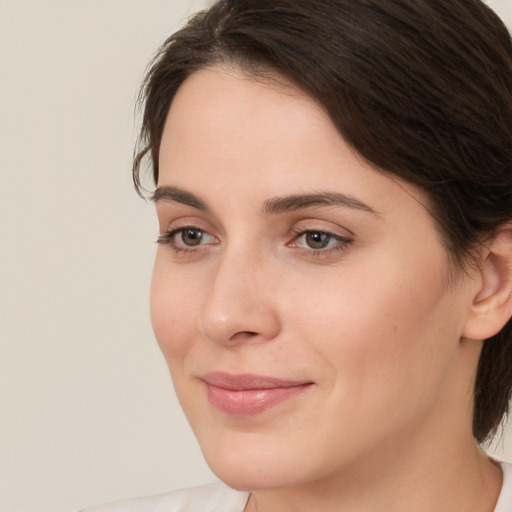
241 480
254 466
244 478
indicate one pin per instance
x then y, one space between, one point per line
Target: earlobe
492 304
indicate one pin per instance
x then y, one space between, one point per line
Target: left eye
318 240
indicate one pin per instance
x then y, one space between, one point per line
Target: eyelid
343 238
174 220
336 236
324 226
174 231
301 233
339 237
167 237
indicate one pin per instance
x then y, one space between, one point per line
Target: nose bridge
239 305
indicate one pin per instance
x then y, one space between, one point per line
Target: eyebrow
300 201
178 195
271 206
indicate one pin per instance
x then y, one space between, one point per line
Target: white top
216 497
219 497
505 500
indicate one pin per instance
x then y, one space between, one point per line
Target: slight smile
247 394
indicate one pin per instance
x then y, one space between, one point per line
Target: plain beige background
87 409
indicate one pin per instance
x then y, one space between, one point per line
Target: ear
492 304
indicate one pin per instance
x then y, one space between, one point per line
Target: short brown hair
422 89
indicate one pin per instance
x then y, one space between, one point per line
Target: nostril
243 335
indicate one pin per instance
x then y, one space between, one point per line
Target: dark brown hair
422 89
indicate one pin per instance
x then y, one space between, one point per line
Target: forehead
262 137
228 101
224 118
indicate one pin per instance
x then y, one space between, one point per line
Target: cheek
385 330
174 305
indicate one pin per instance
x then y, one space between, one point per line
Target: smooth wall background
87 409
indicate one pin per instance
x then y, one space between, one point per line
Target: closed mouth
248 394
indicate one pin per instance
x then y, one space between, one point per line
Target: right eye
186 238
190 236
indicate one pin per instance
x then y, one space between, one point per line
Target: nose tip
240 327
239 309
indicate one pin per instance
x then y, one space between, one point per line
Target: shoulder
216 497
505 500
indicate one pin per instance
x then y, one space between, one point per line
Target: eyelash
342 242
168 238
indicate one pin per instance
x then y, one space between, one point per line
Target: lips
247 394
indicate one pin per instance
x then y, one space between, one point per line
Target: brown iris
317 239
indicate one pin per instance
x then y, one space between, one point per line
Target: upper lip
245 381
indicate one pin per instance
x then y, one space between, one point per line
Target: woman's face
299 297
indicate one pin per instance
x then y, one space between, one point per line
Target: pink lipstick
246 394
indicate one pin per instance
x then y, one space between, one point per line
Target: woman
333 284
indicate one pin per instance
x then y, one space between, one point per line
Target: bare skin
284 255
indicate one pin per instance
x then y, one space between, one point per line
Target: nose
239 305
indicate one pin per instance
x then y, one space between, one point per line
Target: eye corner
187 239
319 242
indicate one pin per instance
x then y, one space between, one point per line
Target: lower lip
249 402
